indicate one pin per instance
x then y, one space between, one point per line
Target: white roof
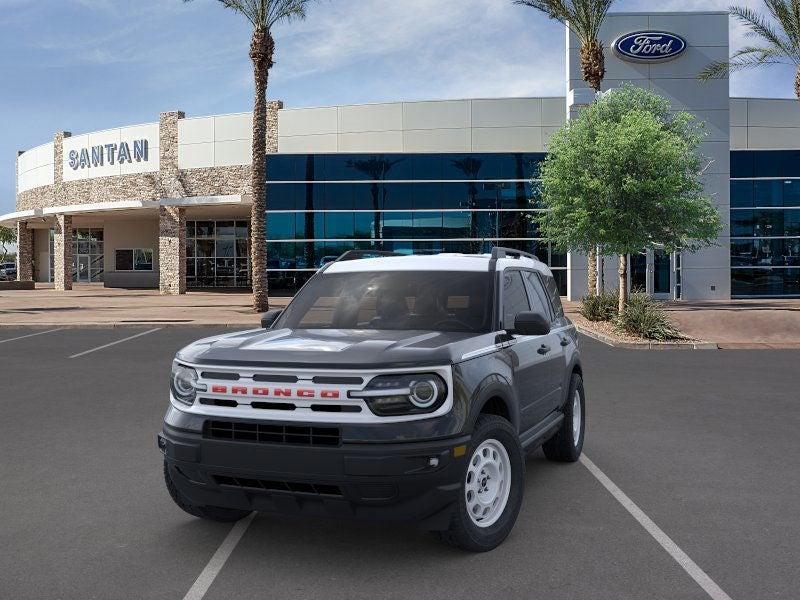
432 262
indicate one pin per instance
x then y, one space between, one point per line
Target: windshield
405 300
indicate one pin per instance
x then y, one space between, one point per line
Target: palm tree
779 41
376 168
584 19
263 15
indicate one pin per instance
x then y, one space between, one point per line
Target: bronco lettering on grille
240 390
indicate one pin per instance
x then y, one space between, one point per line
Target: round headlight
423 393
184 383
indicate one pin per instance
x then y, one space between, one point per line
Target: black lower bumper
415 481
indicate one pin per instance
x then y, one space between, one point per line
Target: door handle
565 341
543 349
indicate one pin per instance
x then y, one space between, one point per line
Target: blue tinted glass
281 167
397 196
425 195
463 166
791 222
426 166
427 224
768 193
558 259
365 225
742 164
513 224
456 225
339 196
428 247
280 226
404 247
485 225
485 195
791 192
399 167
768 163
515 195
765 282
339 225
526 166
742 223
741 194
455 195
397 225
790 165
340 167
768 222
282 196
366 196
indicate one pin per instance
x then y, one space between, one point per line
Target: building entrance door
83 269
651 272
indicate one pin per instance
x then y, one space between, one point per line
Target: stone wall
172 250
62 251
24 252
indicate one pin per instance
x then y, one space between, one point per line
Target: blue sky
84 65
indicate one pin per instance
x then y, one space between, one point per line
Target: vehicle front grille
273 434
317 489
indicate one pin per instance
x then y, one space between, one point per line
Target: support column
62 250
171 250
24 252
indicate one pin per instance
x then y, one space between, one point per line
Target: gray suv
396 387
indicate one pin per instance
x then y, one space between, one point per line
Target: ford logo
649 46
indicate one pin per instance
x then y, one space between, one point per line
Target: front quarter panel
485 377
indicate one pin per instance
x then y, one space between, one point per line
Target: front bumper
402 481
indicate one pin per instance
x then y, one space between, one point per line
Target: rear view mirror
531 323
269 317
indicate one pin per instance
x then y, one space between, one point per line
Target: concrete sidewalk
93 305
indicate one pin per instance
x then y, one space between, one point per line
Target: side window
555 297
515 300
537 295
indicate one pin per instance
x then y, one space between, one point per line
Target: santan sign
97 156
649 46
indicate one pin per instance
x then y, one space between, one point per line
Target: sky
86 65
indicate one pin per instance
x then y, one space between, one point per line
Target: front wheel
567 444
491 488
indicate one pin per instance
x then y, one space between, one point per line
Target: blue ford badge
649 46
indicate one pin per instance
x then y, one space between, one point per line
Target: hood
355 349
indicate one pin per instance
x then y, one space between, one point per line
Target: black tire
212 513
463 533
563 447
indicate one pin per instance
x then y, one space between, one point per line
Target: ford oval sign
649 46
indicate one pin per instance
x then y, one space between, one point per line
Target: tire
497 436
567 444
211 513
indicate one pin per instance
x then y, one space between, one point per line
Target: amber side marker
459 451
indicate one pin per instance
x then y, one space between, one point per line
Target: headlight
406 394
184 383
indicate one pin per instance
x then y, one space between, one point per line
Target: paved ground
705 443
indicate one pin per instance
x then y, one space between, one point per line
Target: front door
83 268
650 272
662 272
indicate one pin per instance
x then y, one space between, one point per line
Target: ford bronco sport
396 387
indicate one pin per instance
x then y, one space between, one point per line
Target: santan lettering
97 156
645 44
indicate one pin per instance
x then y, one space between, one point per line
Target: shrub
646 318
601 307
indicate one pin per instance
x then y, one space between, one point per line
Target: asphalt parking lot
704 443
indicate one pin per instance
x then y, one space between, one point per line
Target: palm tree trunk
592 272
593 70
261 51
623 282
797 84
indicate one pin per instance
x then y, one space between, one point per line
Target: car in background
8 271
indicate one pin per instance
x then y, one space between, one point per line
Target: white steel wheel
488 483
577 415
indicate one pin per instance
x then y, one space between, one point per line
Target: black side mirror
269 317
531 323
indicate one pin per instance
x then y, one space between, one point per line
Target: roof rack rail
500 252
358 254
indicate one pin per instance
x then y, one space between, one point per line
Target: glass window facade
217 254
765 223
321 205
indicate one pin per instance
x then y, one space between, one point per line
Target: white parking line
115 343
22 337
214 566
688 565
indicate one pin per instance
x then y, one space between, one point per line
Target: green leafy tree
584 19
8 236
626 174
263 15
778 40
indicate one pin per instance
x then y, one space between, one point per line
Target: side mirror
531 323
269 317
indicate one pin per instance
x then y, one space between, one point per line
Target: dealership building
167 204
